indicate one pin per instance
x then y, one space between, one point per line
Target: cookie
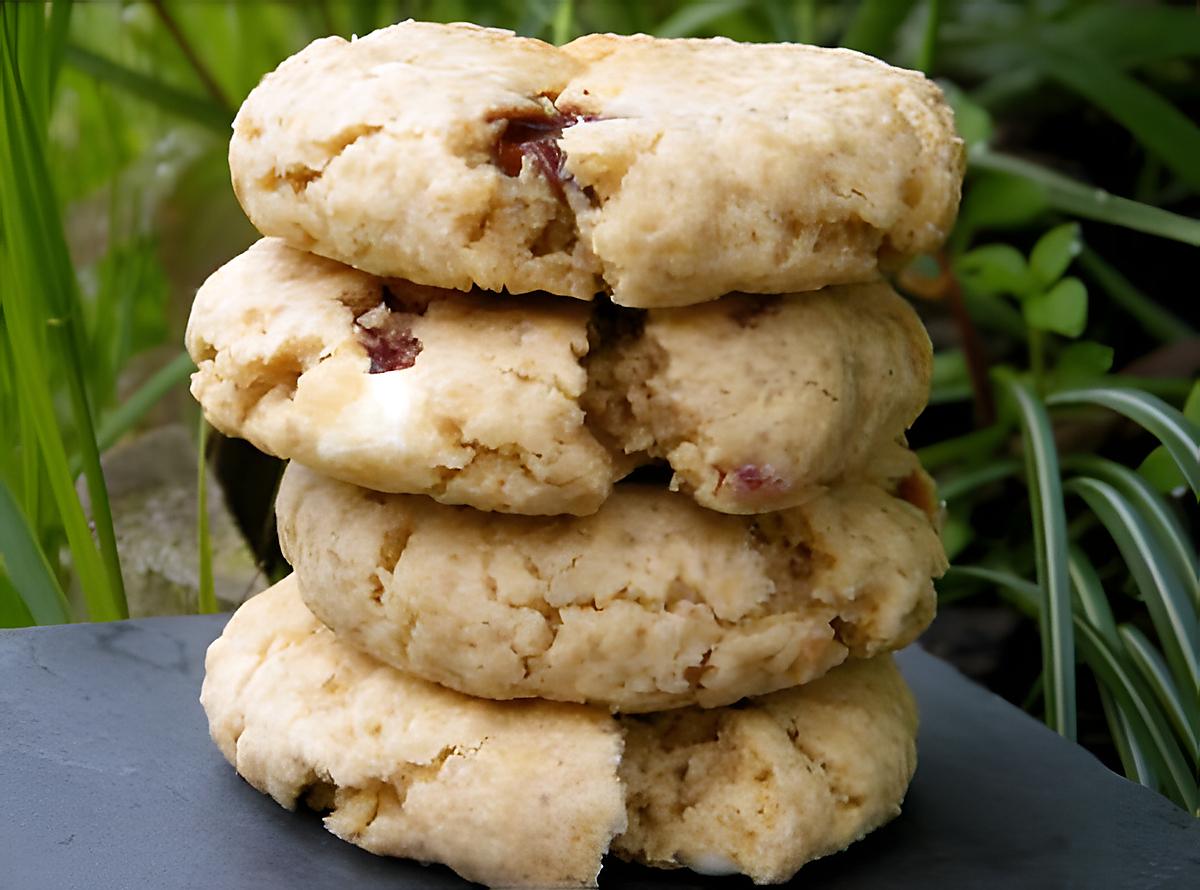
665 172
754 400
531 794
650 603
459 397
407 768
536 405
762 787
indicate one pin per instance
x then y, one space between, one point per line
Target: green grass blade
1138 704
1165 527
34 227
975 445
1050 546
1090 596
1087 202
206 602
874 26
1174 617
1159 126
27 566
40 283
693 18
198 109
929 36
135 407
965 483
1149 661
1134 759
1154 318
1180 436
13 611
563 27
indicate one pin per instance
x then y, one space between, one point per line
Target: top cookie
668 172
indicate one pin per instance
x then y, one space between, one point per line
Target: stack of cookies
600 513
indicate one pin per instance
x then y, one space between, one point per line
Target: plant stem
185 46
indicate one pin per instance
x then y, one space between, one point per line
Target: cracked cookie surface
653 602
536 405
474 400
531 794
755 400
666 172
407 768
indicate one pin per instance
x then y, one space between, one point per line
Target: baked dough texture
665 172
754 400
650 603
487 414
536 405
531 794
514 794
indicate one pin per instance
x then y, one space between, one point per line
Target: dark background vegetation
1062 426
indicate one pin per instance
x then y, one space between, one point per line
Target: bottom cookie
533 793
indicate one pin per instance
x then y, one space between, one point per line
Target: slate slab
108 780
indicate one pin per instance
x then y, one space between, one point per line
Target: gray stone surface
109 780
152 490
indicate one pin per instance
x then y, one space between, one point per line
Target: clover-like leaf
1053 252
1062 309
995 269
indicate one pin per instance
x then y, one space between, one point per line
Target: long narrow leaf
1149 661
1134 759
27 566
874 26
1170 609
1180 436
1050 547
194 108
1161 127
39 229
689 20
134 408
967 482
1169 762
1093 607
1087 202
13 611
1164 525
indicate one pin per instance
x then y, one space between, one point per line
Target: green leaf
13 611
1081 362
1050 547
968 482
957 533
1078 199
1113 673
972 120
1180 435
689 20
1135 761
1161 471
1001 200
198 109
1054 252
1173 614
1062 309
994 269
1185 719
206 596
875 24
1162 128
1164 525
27 566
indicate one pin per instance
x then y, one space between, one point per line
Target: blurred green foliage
1071 259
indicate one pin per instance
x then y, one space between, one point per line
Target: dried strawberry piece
751 478
535 135
387 336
